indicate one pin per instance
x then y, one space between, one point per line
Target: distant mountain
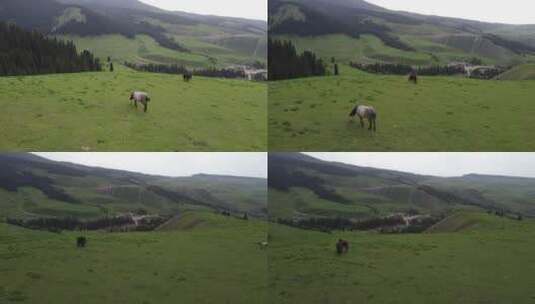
302 186
406 37
34 186
126 4
195 40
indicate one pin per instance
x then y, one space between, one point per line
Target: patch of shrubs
69 223
387 224
181 70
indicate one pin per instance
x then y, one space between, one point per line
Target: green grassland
91 112
141 49
488 260
214 260
438 114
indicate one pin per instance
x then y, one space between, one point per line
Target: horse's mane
354 111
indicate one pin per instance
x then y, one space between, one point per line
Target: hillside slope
303 187
181 116
372 34
186 39
31 186
520 72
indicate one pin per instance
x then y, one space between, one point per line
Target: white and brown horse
140 97
365 112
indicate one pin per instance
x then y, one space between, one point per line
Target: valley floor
438 114
219 262
215 259
91 112
481 265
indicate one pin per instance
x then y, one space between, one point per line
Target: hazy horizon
441 164
250 9
519 12
172 164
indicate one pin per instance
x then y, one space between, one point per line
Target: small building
256 74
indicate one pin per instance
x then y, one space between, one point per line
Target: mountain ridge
331 189
32 185
408 38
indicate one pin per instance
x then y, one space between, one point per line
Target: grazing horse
188 76
140 97
342 246
365 112
81 241
413 76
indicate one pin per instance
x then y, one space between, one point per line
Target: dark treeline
486 73
151 223
70 223
285 63
117 223
179 69
338 223
11 179
389 224
282 179
27 53
403 69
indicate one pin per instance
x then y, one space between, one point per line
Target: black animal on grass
413 77
81 242
342 246
188 76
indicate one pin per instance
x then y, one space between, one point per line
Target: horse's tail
353 112
373 115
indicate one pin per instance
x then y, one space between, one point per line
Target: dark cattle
342 246
81 241
413 77
188 76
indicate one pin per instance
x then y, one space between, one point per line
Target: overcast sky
442 164
251 9
173 164
510 11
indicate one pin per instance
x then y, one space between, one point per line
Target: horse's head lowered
132 96
354 111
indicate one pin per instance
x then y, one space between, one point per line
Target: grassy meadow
206 258
141 49
477 258
91 112
438 114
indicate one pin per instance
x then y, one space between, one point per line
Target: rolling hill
129 30
302 187
355 30
470 255
31 186
196 246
